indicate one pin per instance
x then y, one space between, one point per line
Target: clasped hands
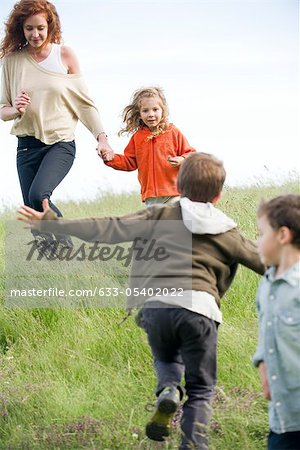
104 149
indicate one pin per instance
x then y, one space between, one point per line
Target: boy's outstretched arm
246 253
30 215
110 230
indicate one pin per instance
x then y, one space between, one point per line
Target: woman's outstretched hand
29 215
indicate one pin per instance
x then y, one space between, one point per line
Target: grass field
80 379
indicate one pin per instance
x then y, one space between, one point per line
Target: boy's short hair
201 177
283 211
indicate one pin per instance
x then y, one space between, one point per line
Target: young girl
156 148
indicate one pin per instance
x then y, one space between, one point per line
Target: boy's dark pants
285 441
184 343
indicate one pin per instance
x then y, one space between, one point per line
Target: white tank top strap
53 62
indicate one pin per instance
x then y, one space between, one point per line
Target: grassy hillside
80 379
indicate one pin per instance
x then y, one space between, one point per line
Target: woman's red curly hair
14 38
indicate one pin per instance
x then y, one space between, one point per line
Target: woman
44 93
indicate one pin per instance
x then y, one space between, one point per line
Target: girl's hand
104 149
175 161
21 102
264 381
107 155
30 215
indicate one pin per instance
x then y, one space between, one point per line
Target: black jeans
184 343
284 441
41 168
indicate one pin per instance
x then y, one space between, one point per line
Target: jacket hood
204 218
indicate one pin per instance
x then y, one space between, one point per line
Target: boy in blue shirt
278 302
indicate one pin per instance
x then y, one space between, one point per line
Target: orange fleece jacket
156 175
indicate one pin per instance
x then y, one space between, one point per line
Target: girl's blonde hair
131 114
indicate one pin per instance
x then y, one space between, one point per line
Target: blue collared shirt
278 303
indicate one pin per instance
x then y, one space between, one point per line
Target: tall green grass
82 378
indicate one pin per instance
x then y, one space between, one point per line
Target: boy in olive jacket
198 249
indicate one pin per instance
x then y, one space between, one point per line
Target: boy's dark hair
201 177
283 211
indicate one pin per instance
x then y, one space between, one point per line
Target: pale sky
229 68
